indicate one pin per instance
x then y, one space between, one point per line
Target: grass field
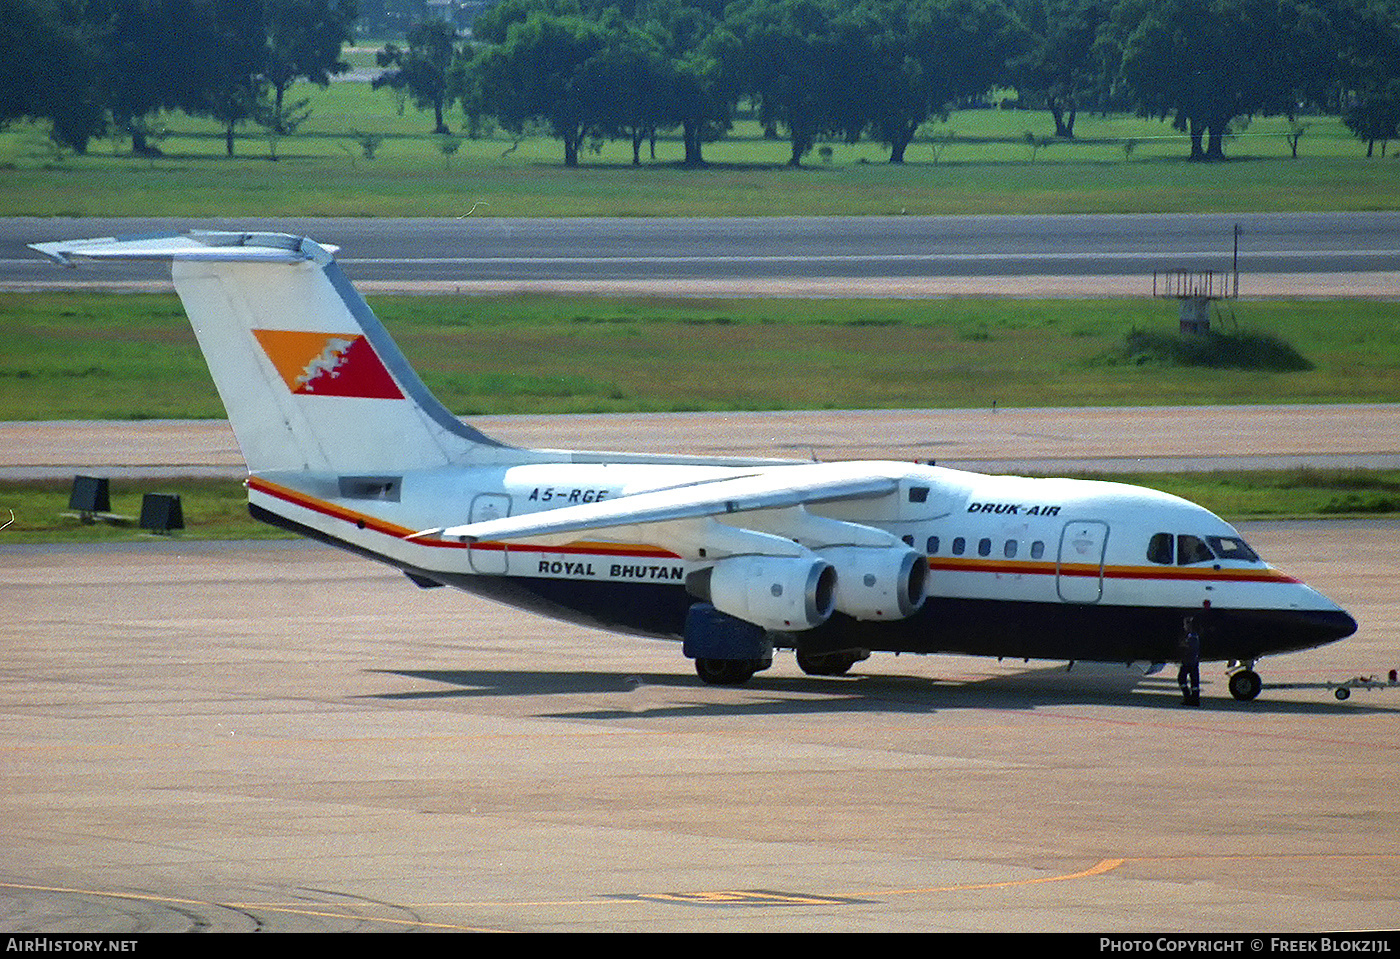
133 356
982 164
212 509
76 355
119 356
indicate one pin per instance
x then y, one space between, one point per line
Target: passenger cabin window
959 546
1037 549
1159 549
932 545
1192 549
1009 550
984 547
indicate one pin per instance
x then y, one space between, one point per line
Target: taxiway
236 736
232 736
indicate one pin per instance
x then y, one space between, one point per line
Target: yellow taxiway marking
1103 866
693 897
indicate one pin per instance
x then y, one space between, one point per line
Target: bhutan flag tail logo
328 364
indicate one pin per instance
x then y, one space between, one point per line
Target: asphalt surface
1109 439
1352 254
280 737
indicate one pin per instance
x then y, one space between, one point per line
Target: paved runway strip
1109 438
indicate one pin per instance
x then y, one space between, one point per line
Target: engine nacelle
878 583
776 592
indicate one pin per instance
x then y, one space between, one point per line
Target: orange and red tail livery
328 364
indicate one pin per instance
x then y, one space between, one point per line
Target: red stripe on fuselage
1175 574
365 521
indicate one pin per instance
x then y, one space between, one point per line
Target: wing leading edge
771 489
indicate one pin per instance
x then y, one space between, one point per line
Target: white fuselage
995 541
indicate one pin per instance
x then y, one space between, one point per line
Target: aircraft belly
647 609
981 627
1038 629
1098 632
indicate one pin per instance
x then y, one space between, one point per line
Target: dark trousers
1189 679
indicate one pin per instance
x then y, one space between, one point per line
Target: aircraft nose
1334 624
1320 626
1287 630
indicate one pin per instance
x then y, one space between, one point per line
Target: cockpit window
1192 549
1184 550
1232 547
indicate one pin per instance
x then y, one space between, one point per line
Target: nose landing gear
1245 683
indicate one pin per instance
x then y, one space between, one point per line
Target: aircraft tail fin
310 378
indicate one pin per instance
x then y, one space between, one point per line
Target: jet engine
878 583
776 592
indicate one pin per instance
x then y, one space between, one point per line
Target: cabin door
1079 571
489 558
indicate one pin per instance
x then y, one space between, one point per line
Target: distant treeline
584 70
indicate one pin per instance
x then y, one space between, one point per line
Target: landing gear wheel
1343 694
726 672
1245 684
827 664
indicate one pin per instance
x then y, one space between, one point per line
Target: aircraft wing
777 488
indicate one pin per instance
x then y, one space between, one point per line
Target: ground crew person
1189 677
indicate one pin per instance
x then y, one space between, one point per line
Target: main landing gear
736 672
1245 683
727 672
830 664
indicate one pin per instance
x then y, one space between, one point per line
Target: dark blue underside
982 627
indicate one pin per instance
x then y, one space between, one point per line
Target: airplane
734 557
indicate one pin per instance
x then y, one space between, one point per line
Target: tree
910 58
279 119
632 70
548 68
493 24
1058 68
698 92
1376 116
422 69
1368 66
699 99
51 52
1205 62
304 42
147 66
233 52
1295 133
787 56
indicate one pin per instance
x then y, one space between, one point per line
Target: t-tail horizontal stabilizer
310 378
